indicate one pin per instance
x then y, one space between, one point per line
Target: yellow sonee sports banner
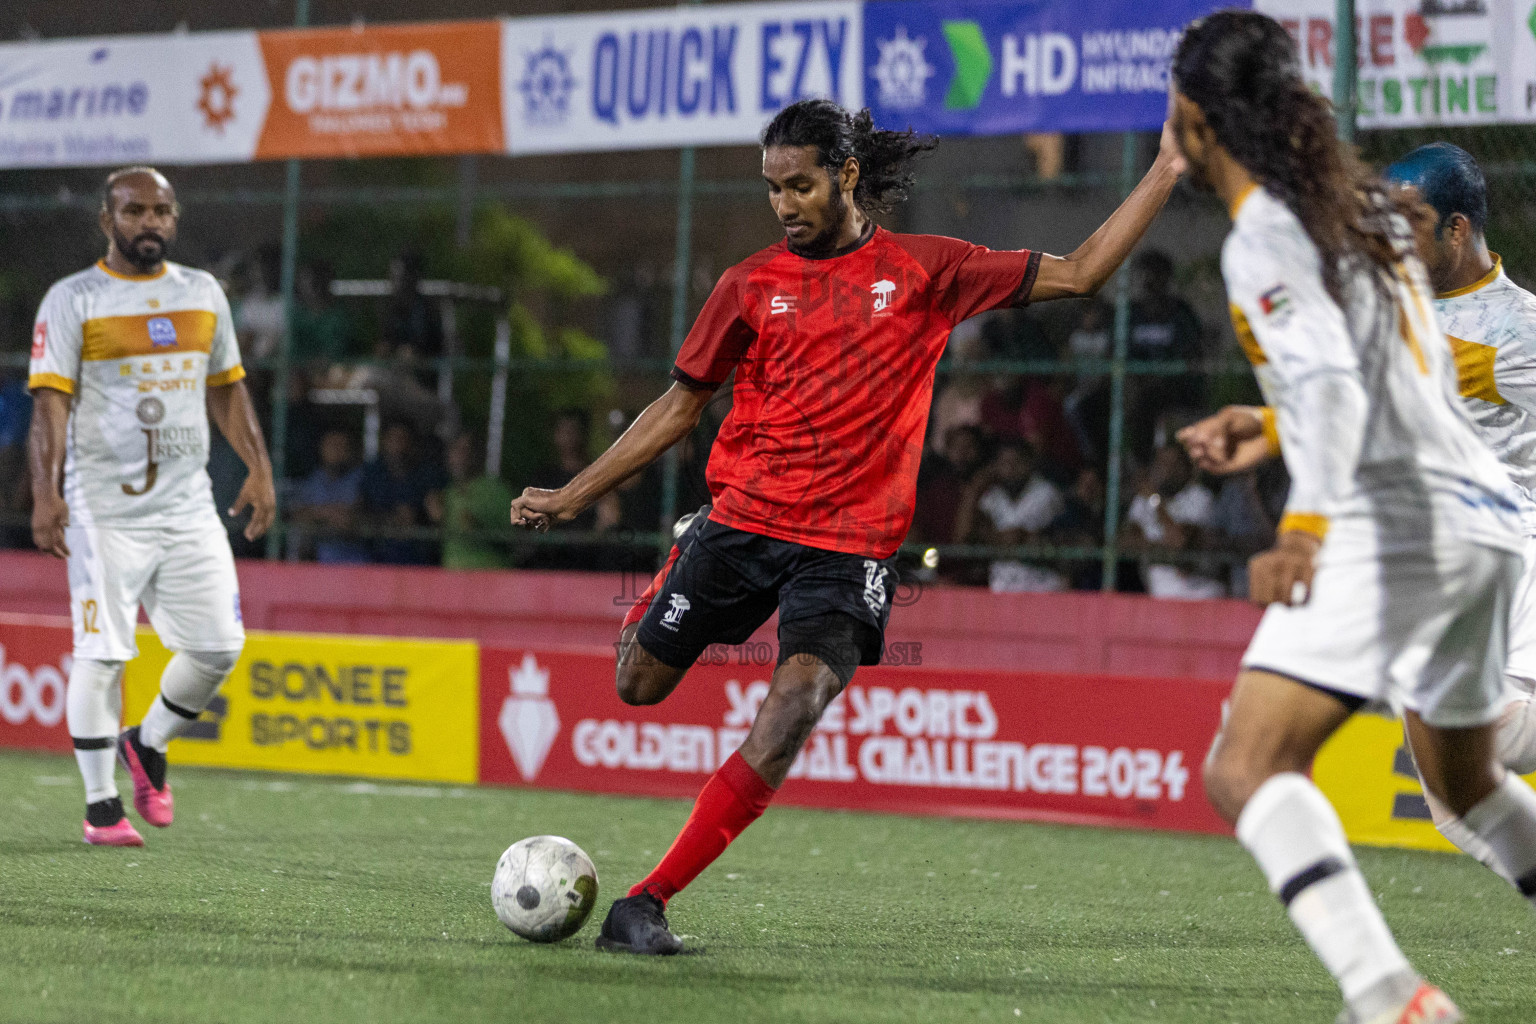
379 707
1368 774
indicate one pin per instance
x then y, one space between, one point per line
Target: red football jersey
834 362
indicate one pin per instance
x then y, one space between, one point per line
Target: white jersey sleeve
57 337
1299 340
224 365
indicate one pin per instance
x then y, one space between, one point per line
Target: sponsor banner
382 708
1366 770
705 75
1086 749
383 90
974 67
34 669
172 99
1424 62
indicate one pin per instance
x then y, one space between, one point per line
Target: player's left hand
260 497
1169 153
1283 574
538 509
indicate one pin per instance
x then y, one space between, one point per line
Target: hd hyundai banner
709 74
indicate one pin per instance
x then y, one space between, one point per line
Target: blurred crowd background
1050 461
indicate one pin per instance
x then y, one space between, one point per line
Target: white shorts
184 575
1520 668
1420 630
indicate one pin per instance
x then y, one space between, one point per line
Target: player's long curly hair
1242 70
885 157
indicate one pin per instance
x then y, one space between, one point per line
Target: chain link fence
464 328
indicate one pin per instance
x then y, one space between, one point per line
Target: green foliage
278 900
541 279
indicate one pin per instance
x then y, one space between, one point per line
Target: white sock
1506 820
93 708
187 685
1462 837
1295 835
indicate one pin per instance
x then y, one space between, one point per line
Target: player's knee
1231 779
214 664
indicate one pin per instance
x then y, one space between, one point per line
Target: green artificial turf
282 899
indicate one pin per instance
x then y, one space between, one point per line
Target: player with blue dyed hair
1491 324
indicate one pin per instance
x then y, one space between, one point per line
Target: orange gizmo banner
383 90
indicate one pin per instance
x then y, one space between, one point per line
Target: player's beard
825 241
145 251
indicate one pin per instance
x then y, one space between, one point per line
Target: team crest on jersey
150 411
162 332
781 304
39 339
1276 302
882 290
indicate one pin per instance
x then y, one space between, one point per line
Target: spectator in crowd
958 399
1081 525
306 427
394 492
322 332
1086 405
1248 507
1011 503
325 506
473 504
15 486
1163 328
941 484
258 305
572 439
1172 511
413 325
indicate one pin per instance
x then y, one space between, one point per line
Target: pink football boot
120 834
146 766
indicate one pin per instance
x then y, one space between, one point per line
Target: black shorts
725 583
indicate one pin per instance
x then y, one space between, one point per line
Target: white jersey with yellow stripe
1491 326
137 354
1365 411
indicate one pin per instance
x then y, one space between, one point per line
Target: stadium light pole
1346 73
1111 556
290 262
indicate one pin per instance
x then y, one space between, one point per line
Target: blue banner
972 67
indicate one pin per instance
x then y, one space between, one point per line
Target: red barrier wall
957 627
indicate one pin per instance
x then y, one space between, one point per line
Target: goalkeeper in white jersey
1398 555
1490 323
128 358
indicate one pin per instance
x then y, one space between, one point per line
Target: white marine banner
705 75
1425 62
174 99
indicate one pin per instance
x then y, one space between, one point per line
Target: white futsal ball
544 888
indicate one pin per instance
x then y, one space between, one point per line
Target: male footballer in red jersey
833 334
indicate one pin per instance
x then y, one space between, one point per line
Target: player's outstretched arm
664 422
45 457
230 405
1086 270
1234 440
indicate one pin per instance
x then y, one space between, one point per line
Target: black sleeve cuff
1031 270
687 380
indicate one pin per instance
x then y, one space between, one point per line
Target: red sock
732 799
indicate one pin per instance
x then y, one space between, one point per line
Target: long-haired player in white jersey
1399 551
128 358
1491 324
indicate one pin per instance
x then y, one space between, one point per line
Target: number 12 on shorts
88 617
